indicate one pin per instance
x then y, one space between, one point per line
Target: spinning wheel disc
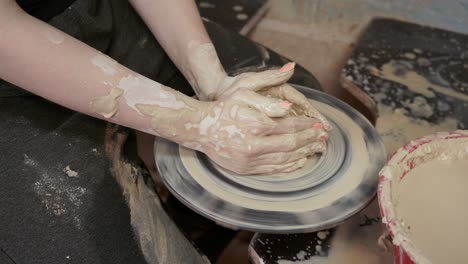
326 191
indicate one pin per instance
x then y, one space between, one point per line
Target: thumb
270 106
287 92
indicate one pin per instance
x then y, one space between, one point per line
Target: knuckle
244 160
256 131
243 91
291 142
285 142
240 156
254 148
277 158
240 94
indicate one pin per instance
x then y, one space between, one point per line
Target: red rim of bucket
389 217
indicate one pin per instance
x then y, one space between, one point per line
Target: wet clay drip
107 105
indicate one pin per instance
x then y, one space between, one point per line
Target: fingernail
323 138
318 125
285 104
289 66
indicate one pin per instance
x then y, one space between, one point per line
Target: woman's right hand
248 133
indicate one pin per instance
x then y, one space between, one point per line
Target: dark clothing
44 9
58 218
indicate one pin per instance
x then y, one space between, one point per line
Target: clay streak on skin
233 131
55 36
105 63
189 126
107 105
143 91
209 121
233 111
202 77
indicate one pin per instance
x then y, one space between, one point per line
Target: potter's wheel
326 191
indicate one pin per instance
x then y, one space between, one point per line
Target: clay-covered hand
248 133
210 82
272 83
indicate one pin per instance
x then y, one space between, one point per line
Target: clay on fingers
301 105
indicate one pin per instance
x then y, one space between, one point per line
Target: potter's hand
210 82
273 83
300 104
243 133
253 81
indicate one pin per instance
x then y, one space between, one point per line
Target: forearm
179 29
53 65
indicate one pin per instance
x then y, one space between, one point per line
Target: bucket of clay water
423 198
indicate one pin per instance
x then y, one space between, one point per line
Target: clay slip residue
70 172
54 36
57 194
105 63
396 128
139 90
415 82
107 105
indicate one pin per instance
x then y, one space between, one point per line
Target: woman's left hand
272 83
